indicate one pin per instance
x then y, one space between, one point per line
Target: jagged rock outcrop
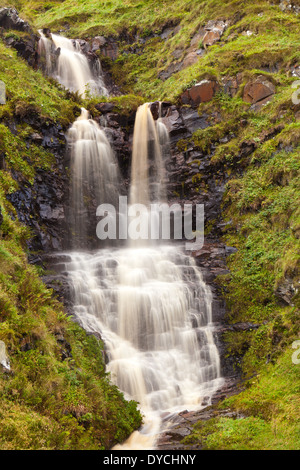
41 206
259 91
26 45
9 19
214 31
206 36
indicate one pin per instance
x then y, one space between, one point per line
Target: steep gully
158 313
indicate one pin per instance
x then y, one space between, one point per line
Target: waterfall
65 62
149 302
147 168
46 50
94 176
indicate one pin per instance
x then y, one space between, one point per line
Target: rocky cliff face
41 206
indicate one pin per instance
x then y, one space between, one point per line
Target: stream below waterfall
146 299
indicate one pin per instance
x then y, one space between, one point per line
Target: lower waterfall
154 313
148 301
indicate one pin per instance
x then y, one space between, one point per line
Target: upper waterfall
71 67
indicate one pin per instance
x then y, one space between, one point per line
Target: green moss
266 413
30 94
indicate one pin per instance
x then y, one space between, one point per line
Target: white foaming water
147 167
71 68
94 173
154 312
148 302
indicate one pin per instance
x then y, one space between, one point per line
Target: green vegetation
267 415
274 39
29 93
57 395
260 151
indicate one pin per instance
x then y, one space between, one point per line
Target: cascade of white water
71 68
94 174
45 46
153 310
147 168
150 304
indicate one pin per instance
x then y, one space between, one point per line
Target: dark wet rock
59 284
179 426
192 120
41 206
9 19
107 47
26 46
105 107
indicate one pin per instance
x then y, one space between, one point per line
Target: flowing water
147 167
71 67
154 313
95 175
147 300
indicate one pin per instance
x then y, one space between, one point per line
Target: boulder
214 31
231 84
259 90
200 93
211 37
